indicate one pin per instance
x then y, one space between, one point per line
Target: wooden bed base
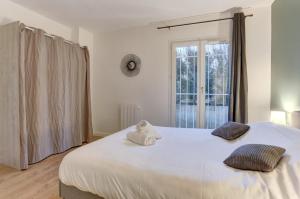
70 192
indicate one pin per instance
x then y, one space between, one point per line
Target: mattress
185 163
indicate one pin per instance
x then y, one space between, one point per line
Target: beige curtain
57 94
45 95
10 97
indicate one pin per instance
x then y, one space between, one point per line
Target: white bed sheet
184 164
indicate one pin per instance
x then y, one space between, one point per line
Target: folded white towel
141 138
145 127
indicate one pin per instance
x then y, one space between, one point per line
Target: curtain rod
199 22
51 36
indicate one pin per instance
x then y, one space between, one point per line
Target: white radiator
130 114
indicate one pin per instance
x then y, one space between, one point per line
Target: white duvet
184 164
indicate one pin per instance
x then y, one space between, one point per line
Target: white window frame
200 76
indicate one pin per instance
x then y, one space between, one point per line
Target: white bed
184 164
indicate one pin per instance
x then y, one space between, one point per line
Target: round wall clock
131 65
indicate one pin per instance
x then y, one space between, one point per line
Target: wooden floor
40 181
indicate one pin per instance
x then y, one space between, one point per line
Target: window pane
178 75
183 75
192 51
186 86
192 75
217 84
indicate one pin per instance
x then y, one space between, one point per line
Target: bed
185 163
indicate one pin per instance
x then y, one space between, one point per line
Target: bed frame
70 192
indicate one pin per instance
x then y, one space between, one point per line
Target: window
200 79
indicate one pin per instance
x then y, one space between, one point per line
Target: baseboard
102 134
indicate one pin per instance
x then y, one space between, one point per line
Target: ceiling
108 15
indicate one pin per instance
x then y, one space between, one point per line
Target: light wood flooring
40 181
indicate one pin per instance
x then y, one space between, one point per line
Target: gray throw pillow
255 157
231 130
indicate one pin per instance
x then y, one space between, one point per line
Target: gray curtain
45 104
238 110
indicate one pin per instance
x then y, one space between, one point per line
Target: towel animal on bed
145 134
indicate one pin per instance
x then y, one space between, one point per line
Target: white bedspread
184 164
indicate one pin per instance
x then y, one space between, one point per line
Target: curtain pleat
88 116
238 110
22 103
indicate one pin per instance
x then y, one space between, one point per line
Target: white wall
151 89
86 38
259 64
10 11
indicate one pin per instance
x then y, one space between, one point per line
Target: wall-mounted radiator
130 114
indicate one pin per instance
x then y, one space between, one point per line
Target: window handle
202 89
